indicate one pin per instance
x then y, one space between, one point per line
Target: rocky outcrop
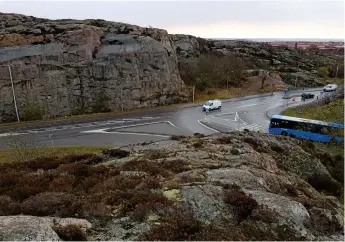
31 228
238 186
66 67
301 64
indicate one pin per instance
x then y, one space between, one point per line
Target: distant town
321 44
309 45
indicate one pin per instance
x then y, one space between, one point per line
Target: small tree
264 76
323 72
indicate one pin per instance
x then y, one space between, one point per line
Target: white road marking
142 124
228 120
103 131
253 126
205 126
249 105
223 114
131 119
11 134
150 117
143 134
238 117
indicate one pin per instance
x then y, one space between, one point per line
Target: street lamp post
14 95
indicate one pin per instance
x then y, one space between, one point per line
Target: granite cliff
66 67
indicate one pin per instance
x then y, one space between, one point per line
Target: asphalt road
236 114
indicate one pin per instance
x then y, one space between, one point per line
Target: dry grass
214 93
332 112
25 154
338 81
79 186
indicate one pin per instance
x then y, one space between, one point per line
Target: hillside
70 67
243 186
67 67
288 62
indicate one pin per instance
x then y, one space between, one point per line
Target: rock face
301 64
240 186
29 228
68 66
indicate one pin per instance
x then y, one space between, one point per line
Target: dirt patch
253 83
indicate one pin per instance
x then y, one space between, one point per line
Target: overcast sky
209 19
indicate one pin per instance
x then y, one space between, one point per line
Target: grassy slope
333 112
20 154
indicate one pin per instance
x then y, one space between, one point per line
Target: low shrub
150 167
175 166
224 140
199 144
8 206
116 153
154 154
234 151
177 137
277 148
70 232
51 203
198 135
179 225
31 112
325 183
241 203
265 214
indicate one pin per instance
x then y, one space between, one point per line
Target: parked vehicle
330 88
307 95
212 105
307 129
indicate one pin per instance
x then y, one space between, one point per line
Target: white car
212 105
330 87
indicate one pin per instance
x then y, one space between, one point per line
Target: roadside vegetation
216 76
82 186
23 153
331 155
332 112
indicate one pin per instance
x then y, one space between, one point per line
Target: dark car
307 95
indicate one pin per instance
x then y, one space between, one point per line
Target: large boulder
30 228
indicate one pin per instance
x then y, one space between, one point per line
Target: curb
76 120
284 107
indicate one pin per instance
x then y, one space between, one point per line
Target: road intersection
146 126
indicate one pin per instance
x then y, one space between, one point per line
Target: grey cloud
166 14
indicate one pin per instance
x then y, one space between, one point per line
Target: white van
330 87
212 105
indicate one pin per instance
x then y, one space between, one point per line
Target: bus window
275 123
287 124
326 130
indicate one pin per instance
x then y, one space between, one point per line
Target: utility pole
193 93
296 82
14 95
336 73
121 100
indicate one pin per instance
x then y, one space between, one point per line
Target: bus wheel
284 133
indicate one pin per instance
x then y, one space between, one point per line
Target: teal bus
307 129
